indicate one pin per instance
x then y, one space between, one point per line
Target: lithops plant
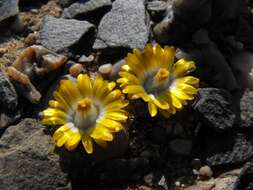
153 76
90 112
33 62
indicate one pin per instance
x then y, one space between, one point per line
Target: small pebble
194 187
149 178
75 69
3 51
105 69
205 172
85 59
31 39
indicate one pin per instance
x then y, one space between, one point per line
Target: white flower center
157 81
86 114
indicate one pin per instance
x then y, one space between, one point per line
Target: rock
116 69
242 65
8 8
237 148
246 108
125 26
8 95
91 10
111 172
157 9
245 179
66 3
86 60
205 172
227 182
243 33
194 187
181 146
9 117
163 183
27 159
215 109
59 34
206 185
105 69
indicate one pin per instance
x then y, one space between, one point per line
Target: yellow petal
152 109
57 105
53 121
183 67
180 94
61 141
87 143
60 132
112 96
69 91
51 112
130 77
73 141
168 57
159 102
133 89
58 97
97 85
116 105
188 89
84 84
175 102
118 116
100 132
114 126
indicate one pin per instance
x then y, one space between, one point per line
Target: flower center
157 81
85 115
161 76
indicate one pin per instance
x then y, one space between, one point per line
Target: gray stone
84 8
8 95
215 109
66 3
27 159
58 33
246 108
9 117
245 179
228 148
242 65
8 8
125 26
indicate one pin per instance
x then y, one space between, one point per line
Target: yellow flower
153 76
87 111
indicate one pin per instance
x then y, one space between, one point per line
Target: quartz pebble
206 172
105 69
75 69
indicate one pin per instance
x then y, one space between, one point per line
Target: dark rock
242 65
9 117
228 148
120 171
243 33
8 95
246 108
157 9
245 180
27 159
181 146
66 3
215 109
125 26
59 34
88 10
8 8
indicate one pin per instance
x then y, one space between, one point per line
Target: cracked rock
8 8
59 34
125 26
237 148
27 159
215 109
86 9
